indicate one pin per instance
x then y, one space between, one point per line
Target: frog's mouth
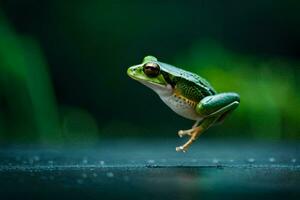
150 83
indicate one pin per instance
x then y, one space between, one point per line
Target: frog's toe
181 148
182 133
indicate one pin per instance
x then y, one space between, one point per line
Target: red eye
151 69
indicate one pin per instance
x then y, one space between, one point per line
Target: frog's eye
151 69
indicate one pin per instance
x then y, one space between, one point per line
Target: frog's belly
181 106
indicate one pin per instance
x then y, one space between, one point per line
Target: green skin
187 94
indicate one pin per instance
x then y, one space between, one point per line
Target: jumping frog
187 94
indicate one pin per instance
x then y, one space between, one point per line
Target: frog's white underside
179 106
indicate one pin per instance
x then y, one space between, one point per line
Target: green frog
187 94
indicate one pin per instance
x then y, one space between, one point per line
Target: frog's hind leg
189 131
205 124
218 105
213 109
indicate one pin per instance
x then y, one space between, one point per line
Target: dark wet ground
152 170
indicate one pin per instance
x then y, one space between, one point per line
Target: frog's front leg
213 109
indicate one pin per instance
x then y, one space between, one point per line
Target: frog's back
197 80
189 89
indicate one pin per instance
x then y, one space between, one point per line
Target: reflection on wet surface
212 170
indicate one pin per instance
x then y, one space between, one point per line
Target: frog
187 94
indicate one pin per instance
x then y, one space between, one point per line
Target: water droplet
272 159
110 174
101 162
84 161
151 161
194 160
215 161
293 160
251 160
231 160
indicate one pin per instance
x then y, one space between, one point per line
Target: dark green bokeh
63 67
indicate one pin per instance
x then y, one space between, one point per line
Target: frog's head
150 74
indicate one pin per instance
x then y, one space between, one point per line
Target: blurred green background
63 67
